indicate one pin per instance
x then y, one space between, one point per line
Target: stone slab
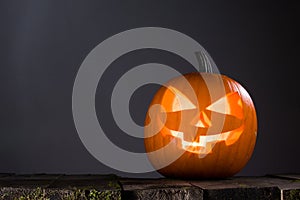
152 189
237 188
287 176
61 186
28 180
5 174
249 188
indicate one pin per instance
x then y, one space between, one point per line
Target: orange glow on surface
201 127
231 104
204 143
203 121
179 101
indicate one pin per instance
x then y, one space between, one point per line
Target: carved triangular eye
231 104
180 102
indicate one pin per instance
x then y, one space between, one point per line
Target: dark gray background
43 43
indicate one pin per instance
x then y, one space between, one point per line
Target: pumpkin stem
206 63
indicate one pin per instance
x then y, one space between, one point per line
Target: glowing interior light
199 123
202 121
231 104
180 102
204 143
234 135
225 105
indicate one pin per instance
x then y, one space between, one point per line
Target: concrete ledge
58 186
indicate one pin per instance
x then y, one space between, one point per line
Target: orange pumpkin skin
218 158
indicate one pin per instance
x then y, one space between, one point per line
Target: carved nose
202 120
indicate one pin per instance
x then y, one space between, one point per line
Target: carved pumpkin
205 122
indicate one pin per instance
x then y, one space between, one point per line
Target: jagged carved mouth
229 105
203 144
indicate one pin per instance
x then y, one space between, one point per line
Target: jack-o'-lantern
206 122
